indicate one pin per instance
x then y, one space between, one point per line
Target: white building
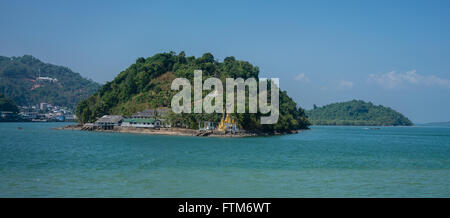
142 123
49 79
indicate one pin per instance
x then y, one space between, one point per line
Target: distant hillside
27 80
146 84
356 112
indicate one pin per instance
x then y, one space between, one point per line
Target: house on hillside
151 113
146 114
49 79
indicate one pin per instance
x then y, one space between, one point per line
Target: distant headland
28 81
356 113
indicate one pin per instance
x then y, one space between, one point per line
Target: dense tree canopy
18 81
7 104
356 112
146 84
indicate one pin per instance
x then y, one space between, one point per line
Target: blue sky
395 53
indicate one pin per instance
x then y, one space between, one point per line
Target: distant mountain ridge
28 81
356 112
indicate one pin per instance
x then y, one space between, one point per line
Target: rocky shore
173 131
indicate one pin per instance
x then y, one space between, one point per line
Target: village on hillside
43 112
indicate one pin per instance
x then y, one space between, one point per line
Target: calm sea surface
323 162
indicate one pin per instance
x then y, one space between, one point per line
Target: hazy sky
395 53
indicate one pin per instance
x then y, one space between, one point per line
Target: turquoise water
323 162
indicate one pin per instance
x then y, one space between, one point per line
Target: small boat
374 128
19 128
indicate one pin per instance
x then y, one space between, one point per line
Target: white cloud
302 77
346 84
394 79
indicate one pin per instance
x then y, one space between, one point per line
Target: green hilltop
146 84
19 80
356 112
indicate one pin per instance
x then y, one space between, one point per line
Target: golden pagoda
226 122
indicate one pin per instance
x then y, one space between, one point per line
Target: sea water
37 161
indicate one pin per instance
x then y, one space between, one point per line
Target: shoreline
177 131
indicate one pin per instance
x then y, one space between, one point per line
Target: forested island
146 84
28 81
356 113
